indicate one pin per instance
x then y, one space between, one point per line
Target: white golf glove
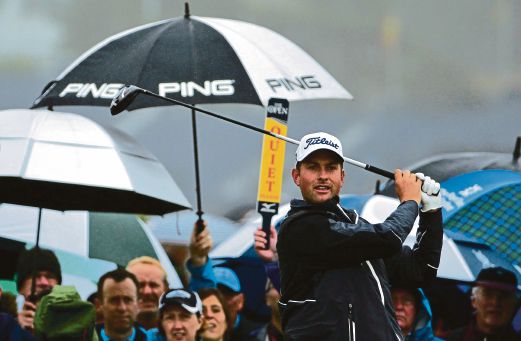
430 201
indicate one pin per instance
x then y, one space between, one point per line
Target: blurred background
427 78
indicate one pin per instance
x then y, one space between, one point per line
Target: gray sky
429 77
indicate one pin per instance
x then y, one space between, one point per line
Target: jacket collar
299 203
330 205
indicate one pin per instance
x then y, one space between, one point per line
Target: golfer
336 268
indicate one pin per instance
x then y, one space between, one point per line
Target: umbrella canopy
113 237
486 205
197 60
194 59
445 166
65 161
463 258
176 228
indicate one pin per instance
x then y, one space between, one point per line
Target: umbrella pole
199 212
37 247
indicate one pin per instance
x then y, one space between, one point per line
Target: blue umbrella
445 166
486 206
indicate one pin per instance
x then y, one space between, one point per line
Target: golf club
128 93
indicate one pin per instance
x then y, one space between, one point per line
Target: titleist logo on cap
320 140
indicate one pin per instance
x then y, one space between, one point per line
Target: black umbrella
197 60
445 166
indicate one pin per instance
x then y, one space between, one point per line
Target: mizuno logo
269 207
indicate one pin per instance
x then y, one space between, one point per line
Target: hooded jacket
336 269
422 329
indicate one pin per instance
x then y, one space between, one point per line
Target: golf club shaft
365 166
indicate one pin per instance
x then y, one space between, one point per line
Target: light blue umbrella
176 228
113 237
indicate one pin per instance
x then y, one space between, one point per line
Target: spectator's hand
26 315
200 245
407 186
259 237
430 202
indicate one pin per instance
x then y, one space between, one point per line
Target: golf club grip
266 227
380 171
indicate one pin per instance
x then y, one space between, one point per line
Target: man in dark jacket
494 299
335 266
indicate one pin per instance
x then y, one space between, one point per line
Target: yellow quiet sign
272 164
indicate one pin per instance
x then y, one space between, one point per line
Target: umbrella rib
149 53
258 50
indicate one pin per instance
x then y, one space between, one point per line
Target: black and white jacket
336 269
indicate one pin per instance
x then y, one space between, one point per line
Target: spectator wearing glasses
413 313
494 300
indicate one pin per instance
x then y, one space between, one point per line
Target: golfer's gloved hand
430 202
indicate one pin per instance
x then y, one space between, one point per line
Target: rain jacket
422 330
336 269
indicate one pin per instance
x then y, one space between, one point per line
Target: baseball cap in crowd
497 278
188 300
228 278
316 141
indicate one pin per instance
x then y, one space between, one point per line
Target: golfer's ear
295 174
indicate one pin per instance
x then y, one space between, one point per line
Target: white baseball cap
316 141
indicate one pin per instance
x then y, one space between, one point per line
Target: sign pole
272 163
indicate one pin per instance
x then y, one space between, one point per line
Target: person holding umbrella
47 274
335 266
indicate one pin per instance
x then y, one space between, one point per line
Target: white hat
315 141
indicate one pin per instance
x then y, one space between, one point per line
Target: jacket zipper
351 323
